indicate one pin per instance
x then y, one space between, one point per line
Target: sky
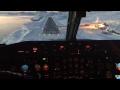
15 11
24 11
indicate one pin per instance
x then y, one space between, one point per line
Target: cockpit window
100 25
20 26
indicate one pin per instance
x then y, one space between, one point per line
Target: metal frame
73 23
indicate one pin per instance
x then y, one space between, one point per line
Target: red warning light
87 46
35 49
61 47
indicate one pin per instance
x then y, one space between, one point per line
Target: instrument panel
62 60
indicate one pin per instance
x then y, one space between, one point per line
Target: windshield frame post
73 23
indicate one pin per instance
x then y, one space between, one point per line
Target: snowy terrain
33 31
110 17
17 36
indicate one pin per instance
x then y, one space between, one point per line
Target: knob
76 60
81 60
64 66
76 71
76 77
81 72
65 78
38 75
109 66
64 61
45 67
76 65
108 74
64 72
70 71
46 76
70 65
118 66
37 67
70 60
90 61
81 77
24 68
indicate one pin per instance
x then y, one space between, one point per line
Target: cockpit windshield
100 25
20 26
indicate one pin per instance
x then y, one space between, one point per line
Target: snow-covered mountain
33 31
